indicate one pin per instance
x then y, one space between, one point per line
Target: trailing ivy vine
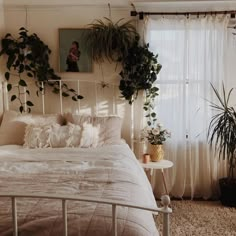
140 69
28 56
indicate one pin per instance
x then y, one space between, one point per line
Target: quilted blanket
109 172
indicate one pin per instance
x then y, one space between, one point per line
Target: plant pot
228 192
156 152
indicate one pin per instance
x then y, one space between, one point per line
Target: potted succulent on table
222 135
155 137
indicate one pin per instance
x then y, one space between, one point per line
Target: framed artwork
75 55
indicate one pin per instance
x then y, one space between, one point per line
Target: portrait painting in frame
75 55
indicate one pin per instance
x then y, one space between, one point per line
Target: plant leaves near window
222 129
140 69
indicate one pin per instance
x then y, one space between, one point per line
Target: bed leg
166 223
64 212
114 220
166 212
14 216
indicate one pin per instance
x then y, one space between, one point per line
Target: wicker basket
156 152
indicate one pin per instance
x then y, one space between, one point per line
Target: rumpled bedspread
109 172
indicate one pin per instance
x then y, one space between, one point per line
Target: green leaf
28 92
9 87
29 103
80 97
7 76
153 114
10 61
22 83
13 97
21 68
74 98
29 74
64 94
21 108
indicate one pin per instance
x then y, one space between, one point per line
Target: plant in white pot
222 135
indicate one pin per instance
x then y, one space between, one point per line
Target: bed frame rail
114 204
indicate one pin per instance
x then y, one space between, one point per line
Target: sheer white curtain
193 53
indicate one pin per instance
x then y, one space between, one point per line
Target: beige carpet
201 218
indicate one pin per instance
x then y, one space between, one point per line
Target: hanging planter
110 41
28 56
119 42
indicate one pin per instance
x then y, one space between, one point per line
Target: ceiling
140 5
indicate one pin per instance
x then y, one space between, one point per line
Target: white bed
89 185
109 172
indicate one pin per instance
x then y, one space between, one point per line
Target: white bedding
109 172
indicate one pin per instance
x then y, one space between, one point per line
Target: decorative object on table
155 137
222 135
146 158
28 57
156 151
75 53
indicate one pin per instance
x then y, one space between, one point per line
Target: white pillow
53 135
109 126
65 136
13 125
89 137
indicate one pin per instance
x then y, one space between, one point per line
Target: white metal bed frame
165 200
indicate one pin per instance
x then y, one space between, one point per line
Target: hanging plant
28 56
109 40
140 69
119 42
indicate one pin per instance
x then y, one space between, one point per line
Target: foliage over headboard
28 56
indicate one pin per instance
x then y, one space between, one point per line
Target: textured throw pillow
90 136
53 135
109 126
37 136
13 125
65 136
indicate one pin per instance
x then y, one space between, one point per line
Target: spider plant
222 129
110 40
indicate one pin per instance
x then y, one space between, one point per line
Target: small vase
156 152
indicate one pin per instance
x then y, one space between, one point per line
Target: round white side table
159 165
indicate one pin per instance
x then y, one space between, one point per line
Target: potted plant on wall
222 135
28 57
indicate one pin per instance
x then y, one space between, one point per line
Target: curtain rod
142 14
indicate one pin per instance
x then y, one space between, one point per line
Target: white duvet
109 172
